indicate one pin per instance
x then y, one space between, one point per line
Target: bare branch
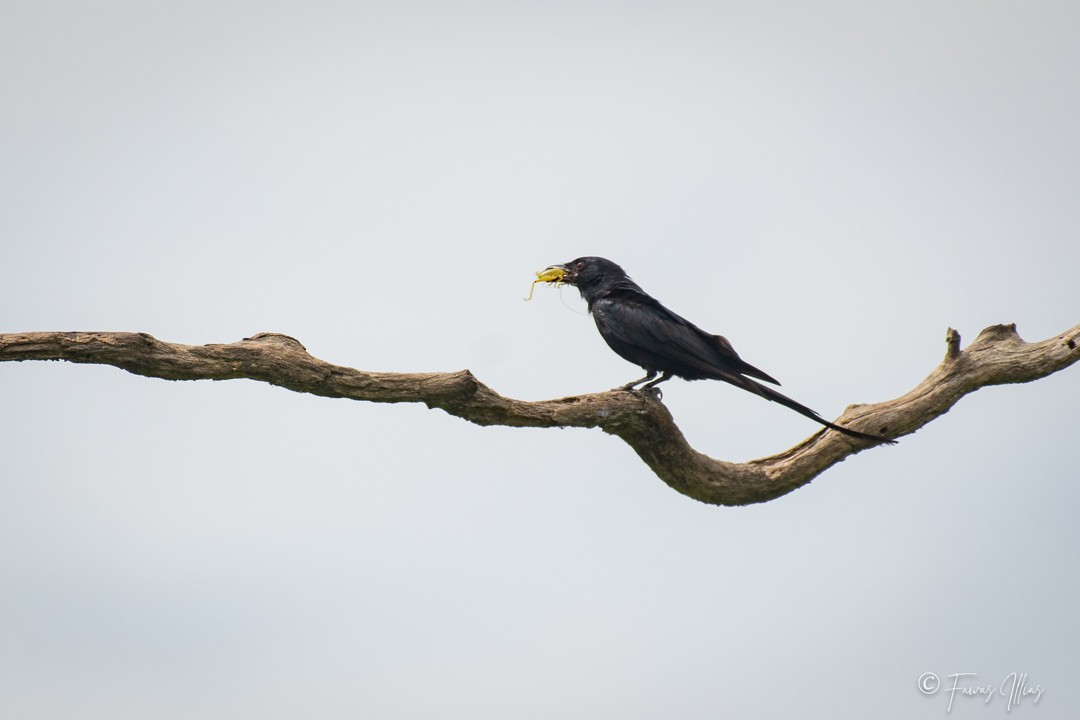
998 356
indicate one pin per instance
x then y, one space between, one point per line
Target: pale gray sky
830 185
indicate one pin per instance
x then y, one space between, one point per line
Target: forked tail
769 394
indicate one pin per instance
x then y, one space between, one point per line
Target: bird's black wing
643 331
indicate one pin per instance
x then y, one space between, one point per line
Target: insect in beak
552 275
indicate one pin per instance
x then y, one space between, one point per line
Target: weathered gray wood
998 356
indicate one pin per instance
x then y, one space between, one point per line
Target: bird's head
589 274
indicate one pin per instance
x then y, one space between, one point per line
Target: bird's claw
646 390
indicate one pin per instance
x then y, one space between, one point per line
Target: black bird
646 333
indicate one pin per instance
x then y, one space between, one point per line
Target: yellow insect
551 275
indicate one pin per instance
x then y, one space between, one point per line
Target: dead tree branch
998 356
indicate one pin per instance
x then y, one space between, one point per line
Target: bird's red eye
579 265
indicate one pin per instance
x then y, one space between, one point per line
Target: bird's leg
657 381
630 385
